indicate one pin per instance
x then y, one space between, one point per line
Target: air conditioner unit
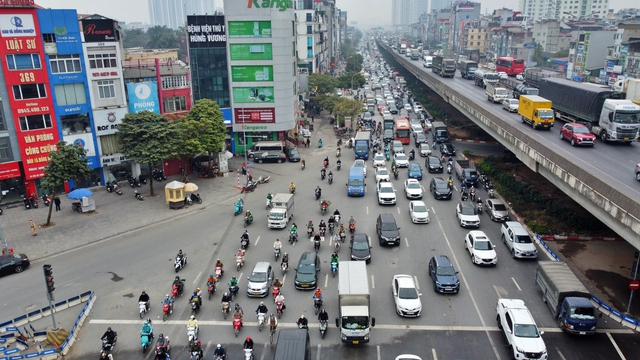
616 55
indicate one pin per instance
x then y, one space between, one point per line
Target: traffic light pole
48 278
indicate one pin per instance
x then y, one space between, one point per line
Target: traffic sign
634 285
529 45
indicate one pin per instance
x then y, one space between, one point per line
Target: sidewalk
114 215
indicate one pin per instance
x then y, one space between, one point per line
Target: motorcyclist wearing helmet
220 265
226 297
331 220
342 229
167 300
196 346
294 229
220 351
196 298
248 343
334 258
325 205
317 294
177 282
144 298
233 281
248 215
262 308
192 323
280 298
285 259
238 314
269 196
147 329
244 237
277 283
322 223
323 315
317 237
318 191
277 245
211 280
302 322
240 254
180 256
273 322
110 335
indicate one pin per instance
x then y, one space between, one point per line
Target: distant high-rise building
173 13
407 12
438 5
558 9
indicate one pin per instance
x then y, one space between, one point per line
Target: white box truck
355 321
281 211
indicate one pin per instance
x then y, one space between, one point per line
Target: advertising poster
206 31
255 116
249 29
253 94
99 30
143 97
251 73
20 25
251 51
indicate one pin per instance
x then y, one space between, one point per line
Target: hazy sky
366 12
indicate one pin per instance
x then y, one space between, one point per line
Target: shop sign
253 95
35 148
282 5
143 97
13 25
252 73
83 140
98 30
115 159
106 121
62 35
206 31
16 3
9 170
255 115
249 29
253 127
250 51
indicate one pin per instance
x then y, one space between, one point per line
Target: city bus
403 131
510 65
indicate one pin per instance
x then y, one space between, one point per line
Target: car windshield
467 210
407 293
386 189
358 164
401 156
306 269
414 167
582 313
441 185
413 185
546 114
276 216
420 209
258 277
526 331
580 130
434 161
389 227
355 322
360 245
482 245
501 91
523 239
513 102
445 271
624 117
499 207
356 182
383 172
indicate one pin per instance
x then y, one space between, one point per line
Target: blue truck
362 145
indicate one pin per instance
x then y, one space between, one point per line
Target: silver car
511 105
260 280
497 210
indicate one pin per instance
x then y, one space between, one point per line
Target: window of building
5 150
309 17
49 38
176 103
70 94
61 64
169 82
209 76
23 61
309 29
101 61
29 91
76 123
3 124
106 89
34 122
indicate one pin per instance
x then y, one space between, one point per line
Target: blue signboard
227 116
143 97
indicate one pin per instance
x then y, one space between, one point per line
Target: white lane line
518 286
415 278
367 210
373 283
560 353
466 283
197 278
613 342
257 240
398 207
318 354
433 353
495 288
326 280
433 210
406 242
378 351
284 279
264 351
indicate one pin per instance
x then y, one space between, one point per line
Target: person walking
57 202
32 225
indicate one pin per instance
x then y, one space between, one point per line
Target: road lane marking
264 351
197 278
367 210
615 345
433 210
398 207
318 354
257 240
433 353
326 280
518 286
560 353
378 351
502 293
406 242
416 280
373 283
284 278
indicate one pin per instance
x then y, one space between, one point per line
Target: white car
419 212
382 174
408 107
520 77
467 215
401 159
417 108
413 189
408 357
339 92
425 150
416 129
414 121
520 330
502 75
406 296
386 113
511 105
361 164
386 193
378 159
480 248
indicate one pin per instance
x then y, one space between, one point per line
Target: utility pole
5 247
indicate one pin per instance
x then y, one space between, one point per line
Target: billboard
98 30
251 51
106 120
17 25
252 73
253 95
254 116
206 31
249 29
143 97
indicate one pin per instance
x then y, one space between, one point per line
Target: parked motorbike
179 265
263 180
158 175
323 328
33 202
113 187
249 187
76 206
133 182
195 198
46 199
142 179
137 195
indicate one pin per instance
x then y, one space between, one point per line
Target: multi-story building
173 13
312 37
406 12
587 54
262 68
437 5
547 33
475 37
462 14
623 55
558 9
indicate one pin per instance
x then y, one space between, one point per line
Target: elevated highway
600 179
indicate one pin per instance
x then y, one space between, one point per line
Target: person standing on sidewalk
57 202
33 227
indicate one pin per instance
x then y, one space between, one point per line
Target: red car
577 134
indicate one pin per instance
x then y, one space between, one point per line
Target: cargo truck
532 76
465 172
536 111
496 94
602 110
281 211
440 131
568 299
484 76
355 321
467 68
400 81
631 87
415 54
443 66
361 144
428 60
403 48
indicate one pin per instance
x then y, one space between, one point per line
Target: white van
427 61
262 146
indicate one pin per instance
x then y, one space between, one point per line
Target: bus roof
402 123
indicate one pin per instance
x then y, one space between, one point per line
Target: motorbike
334 268
316 245
192 333
275 290
492 194
412 155
279 308
396 172
330 179
293 237
261 318
175 291
263 180
323 209
133 182
225 309
248 354
309 231
352 227
142 308
318 194
195 198
337 246
238 209
323 328
387 155
338 152
219 272
27 204
325 163
145 341
236 326
195 355
322 174
75 206
239 262
158 175
195 306
317 304
244 244
339 142
233 290
166 310
137 195
473 194
113 187
342 236
142 179
248 220
323 230
479 206
292 190
108 345
302 166
32 200
268 206
46 199
179 265
162 346
448 169
338 165
276 253
249 187
332 226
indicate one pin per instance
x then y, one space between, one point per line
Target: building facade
312 37
406 12
558 9
173 13
263 73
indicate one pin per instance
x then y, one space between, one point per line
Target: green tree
203 129
68 161
537 55
149 138
162 37
354 63
562 53
348 79
325 83
328 101
347 107
134 38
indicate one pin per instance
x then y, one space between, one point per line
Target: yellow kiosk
174 194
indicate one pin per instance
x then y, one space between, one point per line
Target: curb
475 141
579 238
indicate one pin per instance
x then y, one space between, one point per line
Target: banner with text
249 29
253 94
251 73
255 116
251 51
206 31
143 97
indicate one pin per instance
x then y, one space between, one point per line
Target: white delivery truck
281 211
355 321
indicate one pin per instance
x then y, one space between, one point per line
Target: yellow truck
536 111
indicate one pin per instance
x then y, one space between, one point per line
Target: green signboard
252 73
251 51
253 94
249 29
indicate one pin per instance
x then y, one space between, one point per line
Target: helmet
317 287
285 253
246 232
218 345
197 289
218 260
233 277
226 294
301 316
248 338
210 275
146 322
195 292
109 329
271 315
167 295
261 302
276 279
177 277
192 317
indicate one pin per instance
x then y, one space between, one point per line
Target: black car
388 135
360 248
387 230
444 276
439 188
307 271
393 109
420 138
447 150
367 117
13 263
371 109
433 164
273 157
293 155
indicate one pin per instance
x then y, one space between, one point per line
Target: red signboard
30 95
255 116
9 170
634 285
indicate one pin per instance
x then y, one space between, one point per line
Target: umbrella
79 194
190 187
174 185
